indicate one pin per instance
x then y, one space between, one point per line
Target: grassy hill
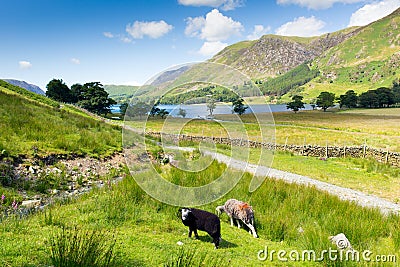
36 125
273 55
357 58
121 93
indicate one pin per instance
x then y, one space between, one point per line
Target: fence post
365 148
304 146
326 150
285 147
387 156
344 151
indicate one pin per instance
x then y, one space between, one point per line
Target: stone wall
392 158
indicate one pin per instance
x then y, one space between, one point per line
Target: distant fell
25 85
273 55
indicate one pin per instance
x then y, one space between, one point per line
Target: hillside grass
288 217
32 128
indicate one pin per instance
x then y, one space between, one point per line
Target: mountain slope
371 57
273 55
25 85
357 58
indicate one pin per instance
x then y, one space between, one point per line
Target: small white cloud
259 30
108 34
373 12
152 29
75 61
302 26
25 65
317 4
211 48
213 28
125 39
224 4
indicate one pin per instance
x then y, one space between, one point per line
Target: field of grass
350 128
124 226
146 232
33 128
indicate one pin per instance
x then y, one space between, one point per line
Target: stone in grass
341 241
179 243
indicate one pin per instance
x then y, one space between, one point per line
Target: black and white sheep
239 210
202 220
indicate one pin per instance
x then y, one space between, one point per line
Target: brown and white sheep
239 210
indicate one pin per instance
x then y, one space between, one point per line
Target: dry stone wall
392 158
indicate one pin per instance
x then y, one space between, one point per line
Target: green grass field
375 128
289 217
141 231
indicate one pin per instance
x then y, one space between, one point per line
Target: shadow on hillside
223 244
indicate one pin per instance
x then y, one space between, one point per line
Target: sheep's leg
238 223
231 221
195 234
252 230
190 232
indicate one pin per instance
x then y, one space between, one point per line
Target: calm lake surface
200 110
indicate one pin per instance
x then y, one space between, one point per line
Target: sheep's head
185 212
220 210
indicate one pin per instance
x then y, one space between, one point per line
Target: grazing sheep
239 210
202 220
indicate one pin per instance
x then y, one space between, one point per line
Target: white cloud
75 61
302 26
213 28
152 29
373 12
317 4
125 39
25 65
224 4
211 48
194 26
259 30
108 34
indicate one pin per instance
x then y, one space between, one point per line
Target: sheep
202 220
239 210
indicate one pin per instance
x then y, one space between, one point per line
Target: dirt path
360 198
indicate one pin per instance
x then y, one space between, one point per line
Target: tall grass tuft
78 247
193 258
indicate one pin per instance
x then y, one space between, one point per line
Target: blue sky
128 42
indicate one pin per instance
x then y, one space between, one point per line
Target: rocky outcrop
273 55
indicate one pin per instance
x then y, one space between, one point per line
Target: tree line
294 78
382 97
90 96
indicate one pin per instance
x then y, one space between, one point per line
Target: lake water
200 110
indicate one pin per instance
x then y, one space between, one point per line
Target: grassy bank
32 128
146 231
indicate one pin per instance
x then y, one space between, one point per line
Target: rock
30 204
341 241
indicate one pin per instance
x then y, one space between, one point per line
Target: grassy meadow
140 231
375 128
121 225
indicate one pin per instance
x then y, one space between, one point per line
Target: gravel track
362 199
